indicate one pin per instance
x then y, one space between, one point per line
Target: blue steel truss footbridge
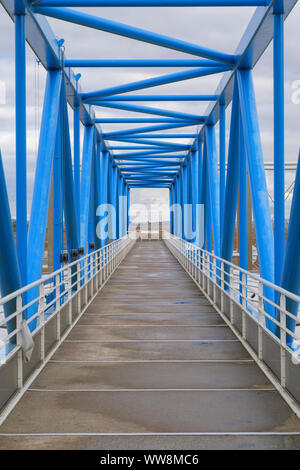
177 342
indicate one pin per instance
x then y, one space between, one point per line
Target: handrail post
19 319
244 305
222 286
214 279
283 340
41 310
57 294
260 320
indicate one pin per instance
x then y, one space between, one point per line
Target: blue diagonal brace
194 118
114 27
41 192
214 184
10 278
258 185
153 82
70 213
86 170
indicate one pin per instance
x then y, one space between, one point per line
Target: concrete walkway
151 365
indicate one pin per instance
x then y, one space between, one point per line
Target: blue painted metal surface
40 200
57 198
160 97
77 157
121 29
232 182
69 200
10 277
290 279
190 176
104 163
21 172
279 210
222 156
93 97
213 184
154 3
259 193
86 176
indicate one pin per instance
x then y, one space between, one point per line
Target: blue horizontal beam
133 180
145 185
142 130
78 63
134 138
114 27
153 3
152 158
149 168
158 144
149 153
153 82
194 118
145 147
149 160
160 98
140 121
147 171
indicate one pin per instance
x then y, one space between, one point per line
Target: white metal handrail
54 291
213 274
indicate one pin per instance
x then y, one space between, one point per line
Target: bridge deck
150 355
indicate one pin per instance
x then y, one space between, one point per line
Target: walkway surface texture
151 355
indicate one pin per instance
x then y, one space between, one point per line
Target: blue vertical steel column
178 211
104 160
117 203
194 186
108 198
97 193
232 180
69 198
258 185
291 267
10 278
208 221
21 173
222 146
171 202
77 157
204 193
200 223
181 201
41 192
243 239
185 202
128 208
214 184
42 183
113 200
278 73
92 208
87 158
243 203
125 207
259 193
174 205
57 198
121 205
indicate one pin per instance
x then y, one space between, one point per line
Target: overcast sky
218 28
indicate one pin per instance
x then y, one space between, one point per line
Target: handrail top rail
279 289
50 276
